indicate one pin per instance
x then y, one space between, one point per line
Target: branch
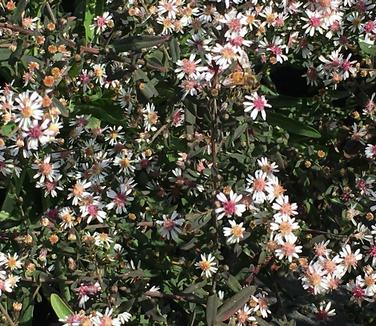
50 12
178 297
19 29
6 315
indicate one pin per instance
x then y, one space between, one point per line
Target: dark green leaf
136 43
292 125
174 49
231 305
211 309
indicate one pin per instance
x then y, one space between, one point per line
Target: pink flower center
315 21
234 24
286 209
35 132
189 67
372 251
358 292
237 41
322 315
346 65
312 73
259 184
369 26
92 210
288 248
84 78
50 185
259 104
120 199
101 22
45 168
229 207
168 224
276 50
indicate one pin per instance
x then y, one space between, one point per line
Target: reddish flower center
189 67
234 24
259 184
120 199
168 224
358 292
92 210
229 207
315 21
35 132
259 104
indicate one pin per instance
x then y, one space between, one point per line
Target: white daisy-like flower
29 107
314 278
256 104
350 259
189 67
150 117
288 249
284 207
235 233
230 206
370 151
257 186
207 265
285 227
170 226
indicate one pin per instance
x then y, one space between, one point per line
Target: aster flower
244 316
284 207
102 22
350 259
324 311
288 249
256 104
371 151
189 67
29 107
229 206
170 226
150 117
285 226
235 233
207 265
257 186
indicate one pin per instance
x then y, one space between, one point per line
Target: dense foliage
181 162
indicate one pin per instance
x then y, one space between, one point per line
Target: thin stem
70 43
6 315
50 12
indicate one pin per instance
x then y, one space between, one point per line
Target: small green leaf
61 309
239 131
88 19
94 123
8 129
367 48
234 284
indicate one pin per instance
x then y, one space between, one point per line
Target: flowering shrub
182 162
